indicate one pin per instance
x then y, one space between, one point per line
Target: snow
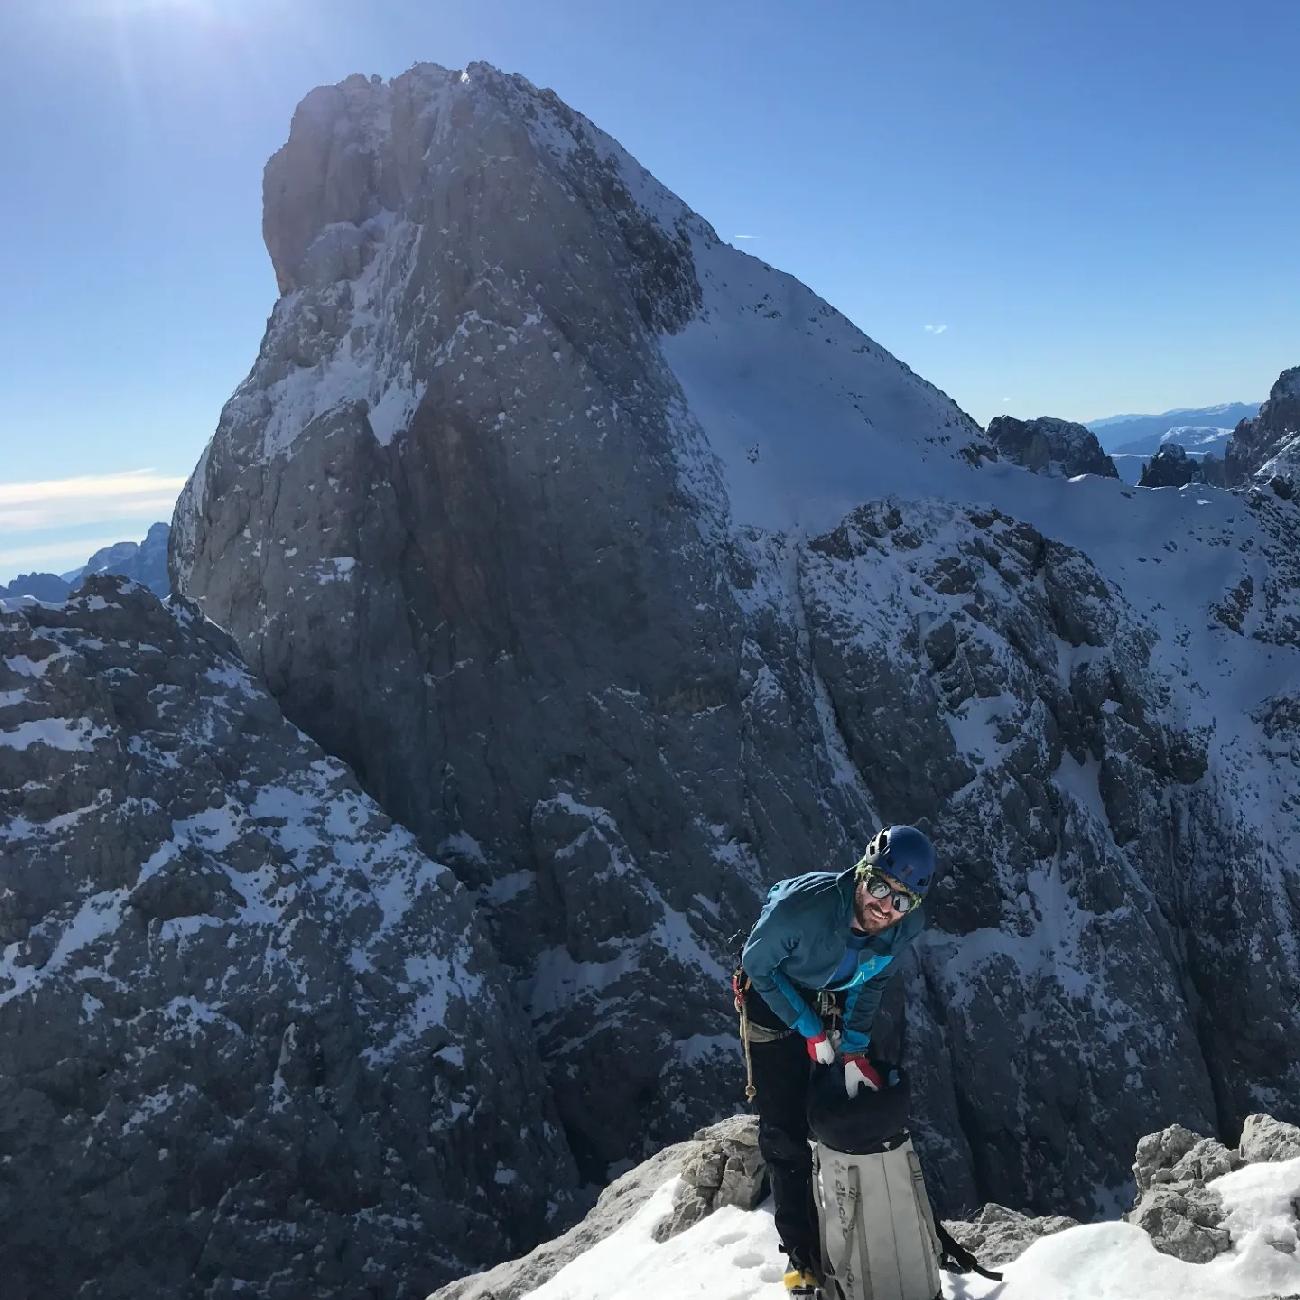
369 364
806 415
57 733
26 667
98 917
335 568
735 1255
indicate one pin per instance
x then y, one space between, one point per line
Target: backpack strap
957 1259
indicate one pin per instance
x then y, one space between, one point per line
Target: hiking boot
800 1281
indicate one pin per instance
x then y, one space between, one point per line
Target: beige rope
750 1091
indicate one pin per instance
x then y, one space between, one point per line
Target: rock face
252 1034
1171 466
1050 446
1268 446
463 521
632 577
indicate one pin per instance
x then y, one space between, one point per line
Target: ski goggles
879 887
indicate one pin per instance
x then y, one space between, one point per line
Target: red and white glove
820 1050
859 1073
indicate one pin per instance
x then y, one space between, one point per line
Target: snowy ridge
1210 1223
736 1253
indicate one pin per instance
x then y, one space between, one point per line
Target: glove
858 1073
820 1050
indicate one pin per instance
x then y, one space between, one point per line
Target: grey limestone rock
1268 446
1171 466
724 1168
1182 1222
459 519
253 1037
1173 1206
1051 446
997 1235
1266 1138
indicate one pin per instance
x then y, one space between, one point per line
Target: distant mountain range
145 562
1116 432
1132 440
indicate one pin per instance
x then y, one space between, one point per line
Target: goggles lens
879 887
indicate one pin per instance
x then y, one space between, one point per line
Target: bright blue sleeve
772 940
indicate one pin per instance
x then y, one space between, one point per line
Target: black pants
781 1073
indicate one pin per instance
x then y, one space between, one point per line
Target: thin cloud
746 236
934 329
52 503
51 556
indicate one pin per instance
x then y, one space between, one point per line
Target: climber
810 980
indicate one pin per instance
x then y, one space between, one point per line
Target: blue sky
1091 205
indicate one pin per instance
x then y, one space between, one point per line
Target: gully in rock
812 974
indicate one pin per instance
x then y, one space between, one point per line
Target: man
828 941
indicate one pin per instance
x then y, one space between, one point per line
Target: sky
1072 209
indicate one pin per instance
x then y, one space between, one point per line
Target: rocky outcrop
1174 1207
724 1168
252 1034
1171 466
1050 446
1268 446
1183 1215
1265 1139
997 1235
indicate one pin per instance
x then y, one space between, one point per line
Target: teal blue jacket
799 941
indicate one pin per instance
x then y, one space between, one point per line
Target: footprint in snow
748 1259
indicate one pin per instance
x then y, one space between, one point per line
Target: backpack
879 1237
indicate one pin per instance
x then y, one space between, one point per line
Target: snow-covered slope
631 576
1213 1224
736 1253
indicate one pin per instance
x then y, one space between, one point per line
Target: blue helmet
904 853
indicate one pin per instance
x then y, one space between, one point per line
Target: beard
867 916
